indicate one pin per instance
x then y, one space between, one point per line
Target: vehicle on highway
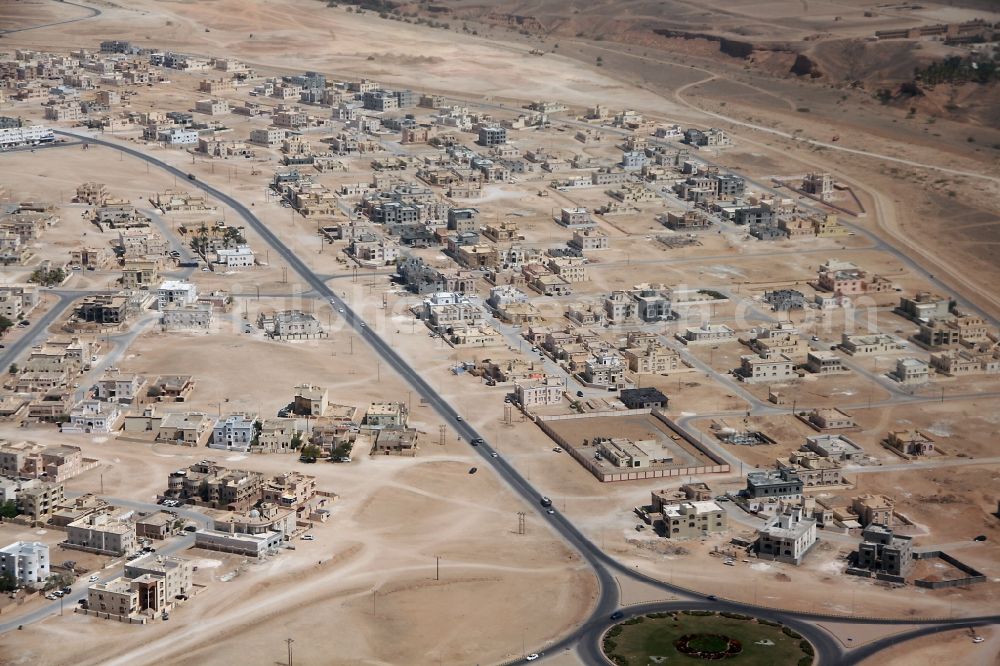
190 528
557 449
458 417
978 639
531 657
477 441
340 309
551 511
981 537
617 615
494 454
712 597
473 470
546 501
191 176
363 324
94 578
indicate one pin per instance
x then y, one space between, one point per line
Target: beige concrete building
688 520
102 533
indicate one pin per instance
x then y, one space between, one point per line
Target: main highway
585 638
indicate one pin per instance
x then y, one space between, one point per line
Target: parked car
531 657
308 537
473 470
617 615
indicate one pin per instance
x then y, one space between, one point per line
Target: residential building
830 419
911 372
212 107
825 363
102 533
883 552
196 316
910 442
235 432
121 387
207 483
27 562
174 574
604 369
619 307
386 414
290 325
186 429
548 391
395 440
707 334
873 509
779 484
652 358
176 292
93 416
240 256
589 239
575 217
643 398
755 369
835 447
492 136
277 435
257 546
787 537
867 345
689 520
116 597
310 400
924 306
37 503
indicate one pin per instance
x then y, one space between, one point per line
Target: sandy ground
395 516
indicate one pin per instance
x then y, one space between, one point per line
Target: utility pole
437 567
288 642
442 429
521 522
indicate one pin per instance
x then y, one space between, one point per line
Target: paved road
604 567
39 327
92 13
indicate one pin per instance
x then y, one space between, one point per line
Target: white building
26 561
238 257
92 416
176 136
176 292
546 392
233 433
19 136
787 536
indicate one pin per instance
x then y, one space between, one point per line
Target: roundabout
690 636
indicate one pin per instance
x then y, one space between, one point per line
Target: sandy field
370 574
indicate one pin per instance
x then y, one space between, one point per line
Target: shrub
791 633
807 647
805 661
734 616
615 631
609 645
768 623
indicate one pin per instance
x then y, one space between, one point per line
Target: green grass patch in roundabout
688 637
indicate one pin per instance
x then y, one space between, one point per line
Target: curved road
829 651
93 12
